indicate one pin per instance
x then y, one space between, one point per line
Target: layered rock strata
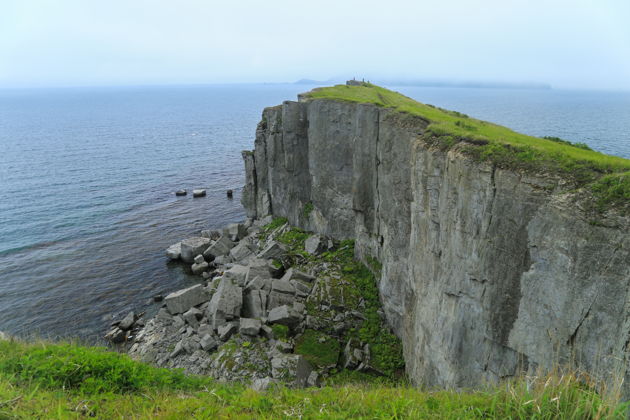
486 272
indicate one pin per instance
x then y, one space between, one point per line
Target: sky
568 44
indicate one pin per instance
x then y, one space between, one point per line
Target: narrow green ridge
607 177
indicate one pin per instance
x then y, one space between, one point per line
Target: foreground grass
502 146
40 380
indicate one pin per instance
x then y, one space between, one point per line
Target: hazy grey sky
572 43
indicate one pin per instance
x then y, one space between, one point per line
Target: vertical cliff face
486 271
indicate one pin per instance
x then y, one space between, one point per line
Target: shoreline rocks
244 318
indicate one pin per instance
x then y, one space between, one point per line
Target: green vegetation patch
612 190
494 143
280 332
360 283
308 209
86 369
318 348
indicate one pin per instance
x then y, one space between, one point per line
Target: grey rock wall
486 272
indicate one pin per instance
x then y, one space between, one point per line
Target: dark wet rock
127 322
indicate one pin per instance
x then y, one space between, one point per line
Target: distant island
435 83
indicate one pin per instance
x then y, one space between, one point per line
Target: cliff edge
500 252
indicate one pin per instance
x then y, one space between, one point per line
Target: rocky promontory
501 253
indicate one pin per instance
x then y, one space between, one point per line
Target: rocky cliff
487 270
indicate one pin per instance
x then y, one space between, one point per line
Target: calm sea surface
87 179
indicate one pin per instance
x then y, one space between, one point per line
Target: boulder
199 193
314 245
301 289
116 335
273 250
255 304
199 259
204 329
257 267
226 331
284 315
291 368
128 321
222 260
174 251
199 268
221 246
242 252
282 286
238 273
313 379
237 230
182 300
277 299
192 247
226 303
250 326
266 331
192 317
180 193
259 283
208 343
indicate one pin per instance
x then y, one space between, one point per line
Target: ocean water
87 179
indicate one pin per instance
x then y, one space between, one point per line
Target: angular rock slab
250 326
182 300
255 304
192 247
284 315
226 303
220 247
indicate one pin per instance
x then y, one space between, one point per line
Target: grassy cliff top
608 177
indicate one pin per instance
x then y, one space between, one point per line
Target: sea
88 175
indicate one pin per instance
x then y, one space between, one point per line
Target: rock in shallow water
192 247
199 193
174 251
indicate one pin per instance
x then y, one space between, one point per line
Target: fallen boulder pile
272 306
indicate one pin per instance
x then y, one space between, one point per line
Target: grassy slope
608 177
41 380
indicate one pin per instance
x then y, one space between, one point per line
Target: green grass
499 145
40 380
318 348
280 332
